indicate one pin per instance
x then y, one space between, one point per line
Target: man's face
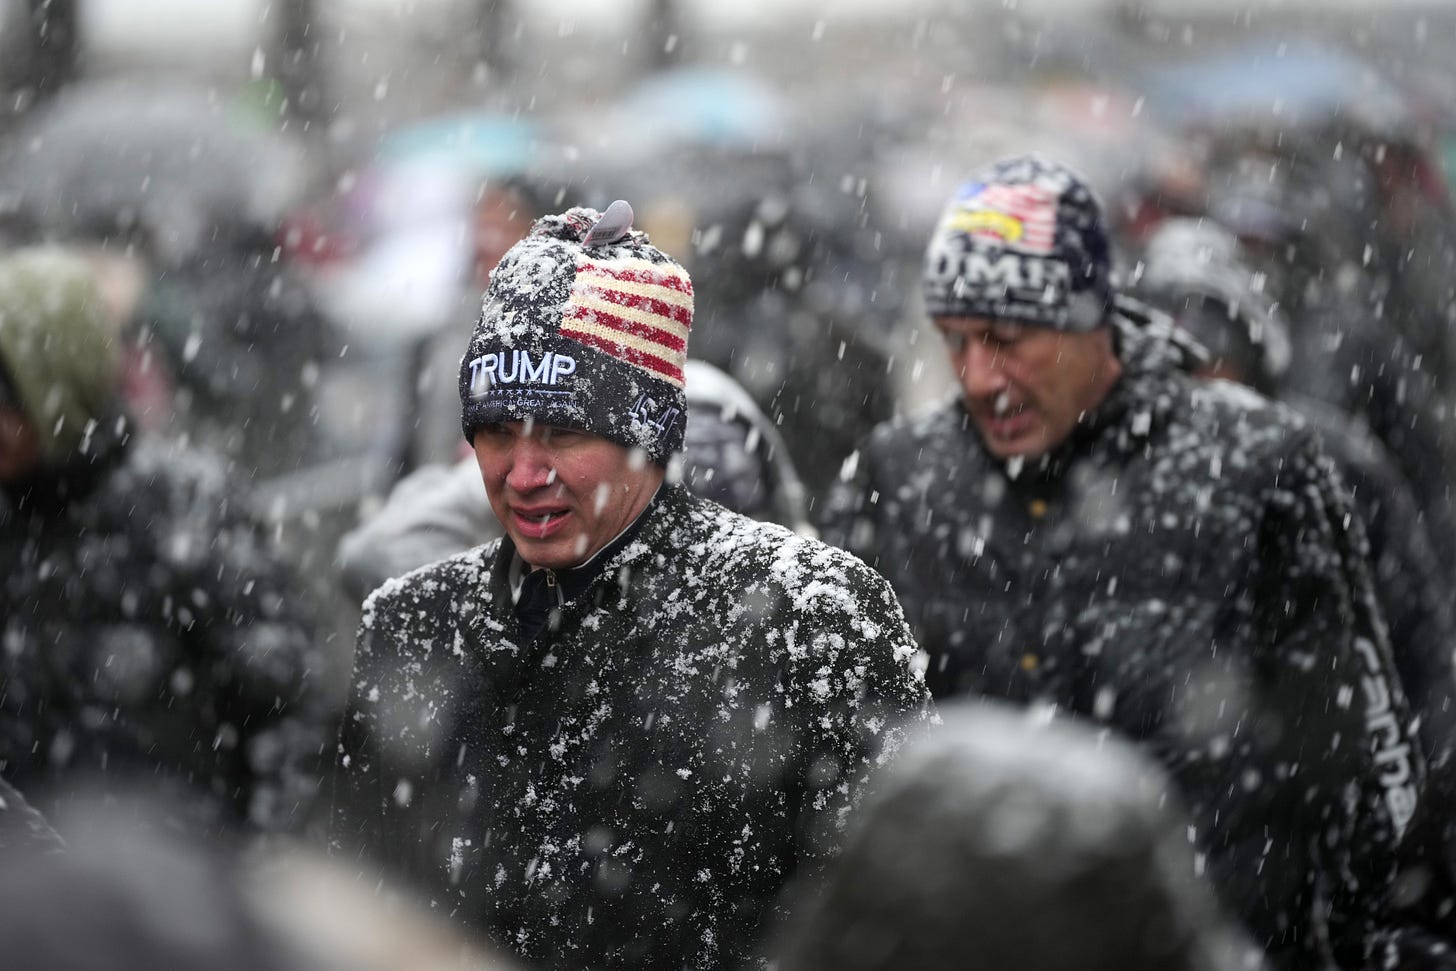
20 451
1026 387
501 220
561 494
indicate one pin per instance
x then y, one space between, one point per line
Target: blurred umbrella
485 144
168 160
403 224
1280 83
705 108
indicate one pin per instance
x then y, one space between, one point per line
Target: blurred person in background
1194 270
1003 842
501 214
1304 221
335 922
242 346
611 736
1087 526
794 303
153 634
190 184
1408 245
118 898
732 454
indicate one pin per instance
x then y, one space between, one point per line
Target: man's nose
982 368
531 465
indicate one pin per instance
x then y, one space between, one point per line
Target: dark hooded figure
1195 271
1303 220
796 305
608 738
245 344
1090 526
151 633
1007 842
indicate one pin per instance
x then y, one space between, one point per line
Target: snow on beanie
1022 241
584 325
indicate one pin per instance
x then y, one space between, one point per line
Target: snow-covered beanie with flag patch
584 325
1022 241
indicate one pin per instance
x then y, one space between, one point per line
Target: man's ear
20 450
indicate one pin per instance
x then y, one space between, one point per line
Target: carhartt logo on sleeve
507 368
1388 739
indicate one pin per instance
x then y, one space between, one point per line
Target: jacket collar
49 491
656 531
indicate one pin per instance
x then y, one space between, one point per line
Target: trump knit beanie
1022 241
584 325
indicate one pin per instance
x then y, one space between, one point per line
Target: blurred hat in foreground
1000 842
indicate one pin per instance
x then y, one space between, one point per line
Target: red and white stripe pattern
1033 206
636 310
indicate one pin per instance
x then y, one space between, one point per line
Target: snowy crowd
697 646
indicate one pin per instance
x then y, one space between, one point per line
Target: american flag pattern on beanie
1021 217
636 310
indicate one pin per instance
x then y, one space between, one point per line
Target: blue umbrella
486 144
705 107
1288 82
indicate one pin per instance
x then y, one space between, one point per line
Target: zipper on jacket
551 584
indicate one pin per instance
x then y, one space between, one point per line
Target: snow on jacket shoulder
634 786
1185 568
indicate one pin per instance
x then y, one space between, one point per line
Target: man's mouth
540 522
1007 426
1001 419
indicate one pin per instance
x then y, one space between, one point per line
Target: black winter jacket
1185 569
154 637
632 787
1409 586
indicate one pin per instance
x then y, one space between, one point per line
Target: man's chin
1007 454
1028 445
557 553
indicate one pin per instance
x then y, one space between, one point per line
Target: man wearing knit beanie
1088 526
580 346
610 737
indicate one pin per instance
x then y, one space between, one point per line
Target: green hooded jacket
56 347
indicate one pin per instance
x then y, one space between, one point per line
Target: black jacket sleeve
1348 726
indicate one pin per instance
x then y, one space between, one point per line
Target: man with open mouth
1086 526
611 737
